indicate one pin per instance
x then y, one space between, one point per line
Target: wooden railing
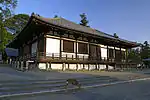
42 55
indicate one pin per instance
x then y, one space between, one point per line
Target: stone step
44 86
37 82
28 87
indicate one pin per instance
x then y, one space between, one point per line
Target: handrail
47 55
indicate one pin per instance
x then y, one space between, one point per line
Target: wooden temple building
56 43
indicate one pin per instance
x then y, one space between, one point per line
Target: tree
145 50
56 16
6 8
16 22
115 35
134 55
84 20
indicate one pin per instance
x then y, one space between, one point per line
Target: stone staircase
30 86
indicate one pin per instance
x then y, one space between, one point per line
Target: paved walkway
130 91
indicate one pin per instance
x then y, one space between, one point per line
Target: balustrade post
104 58
66 56
72 57
52 55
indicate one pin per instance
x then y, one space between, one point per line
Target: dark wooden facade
38 30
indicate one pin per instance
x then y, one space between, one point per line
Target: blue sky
130 19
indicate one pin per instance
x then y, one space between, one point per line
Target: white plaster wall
34 47
110 67
42 65
80 66
92 66
86 66
102 66
56 66
103 53
73 66
66 66
52 46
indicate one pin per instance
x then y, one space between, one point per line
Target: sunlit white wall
52 46
103 52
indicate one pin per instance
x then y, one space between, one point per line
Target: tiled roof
71 25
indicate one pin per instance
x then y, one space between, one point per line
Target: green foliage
56 16
6 8
84 20
145 50
115 35
17 22
137 55
134 55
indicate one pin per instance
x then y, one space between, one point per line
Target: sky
130 19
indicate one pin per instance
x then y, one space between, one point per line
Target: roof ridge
75 23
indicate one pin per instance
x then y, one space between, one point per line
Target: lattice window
68 46
82 48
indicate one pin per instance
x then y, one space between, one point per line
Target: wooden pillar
107 58
100 53
38 46
114 53
120 57
46 66
60 53
63 67
97 52
50 65
120 54
89 50
44 47
68 66
88 67
76 49
77 67
107 54
126 57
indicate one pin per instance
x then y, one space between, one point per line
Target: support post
46 66
63 67
76 48
50 65
88 67
77 67
60 53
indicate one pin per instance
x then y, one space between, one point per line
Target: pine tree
84 20
115 35
56 16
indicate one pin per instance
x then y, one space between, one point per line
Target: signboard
11 52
